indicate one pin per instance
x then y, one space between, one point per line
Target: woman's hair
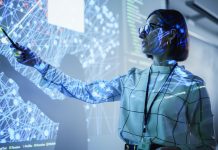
173 19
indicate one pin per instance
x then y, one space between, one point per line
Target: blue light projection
26 22
21 121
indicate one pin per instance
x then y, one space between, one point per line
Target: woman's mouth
144 43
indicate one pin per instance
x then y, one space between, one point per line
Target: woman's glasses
145 30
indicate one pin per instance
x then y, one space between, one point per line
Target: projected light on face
29 23
163 37
154 36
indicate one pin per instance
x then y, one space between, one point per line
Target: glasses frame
145 30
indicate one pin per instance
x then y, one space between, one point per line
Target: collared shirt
180 116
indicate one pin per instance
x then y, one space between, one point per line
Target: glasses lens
147 28
143 31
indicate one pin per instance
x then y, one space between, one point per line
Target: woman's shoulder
187 75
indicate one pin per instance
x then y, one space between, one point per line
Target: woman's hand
26 56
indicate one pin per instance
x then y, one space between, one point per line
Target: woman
161 107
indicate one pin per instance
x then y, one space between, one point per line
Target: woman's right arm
96 92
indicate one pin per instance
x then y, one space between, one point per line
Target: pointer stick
12 42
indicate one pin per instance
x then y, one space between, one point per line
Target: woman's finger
20 60
17 52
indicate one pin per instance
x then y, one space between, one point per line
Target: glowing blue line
24 17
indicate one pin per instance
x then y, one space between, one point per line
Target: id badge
144 146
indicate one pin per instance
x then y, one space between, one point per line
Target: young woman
161 107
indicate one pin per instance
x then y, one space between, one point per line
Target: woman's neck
163 61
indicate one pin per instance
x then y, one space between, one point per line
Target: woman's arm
201 131
95 92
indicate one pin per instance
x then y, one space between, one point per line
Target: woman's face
154 42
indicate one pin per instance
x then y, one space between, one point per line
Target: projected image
21 121
93 40
135 17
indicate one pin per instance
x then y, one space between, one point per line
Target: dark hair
173 19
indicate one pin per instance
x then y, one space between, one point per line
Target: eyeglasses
145 30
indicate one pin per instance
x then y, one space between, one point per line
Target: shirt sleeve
95 92
201 131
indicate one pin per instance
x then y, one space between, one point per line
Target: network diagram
26 22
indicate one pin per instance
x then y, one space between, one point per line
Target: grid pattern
95 92
181 115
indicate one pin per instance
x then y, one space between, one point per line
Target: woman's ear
173 33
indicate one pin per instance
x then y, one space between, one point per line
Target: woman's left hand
25 55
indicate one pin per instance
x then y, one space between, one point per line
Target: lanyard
148 112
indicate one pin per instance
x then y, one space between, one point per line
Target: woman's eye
152 27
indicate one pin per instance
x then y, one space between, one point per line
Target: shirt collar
165 67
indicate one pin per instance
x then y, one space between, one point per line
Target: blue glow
177 26
27 23
18 119
182 30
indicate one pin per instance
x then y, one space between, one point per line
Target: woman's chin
145 51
